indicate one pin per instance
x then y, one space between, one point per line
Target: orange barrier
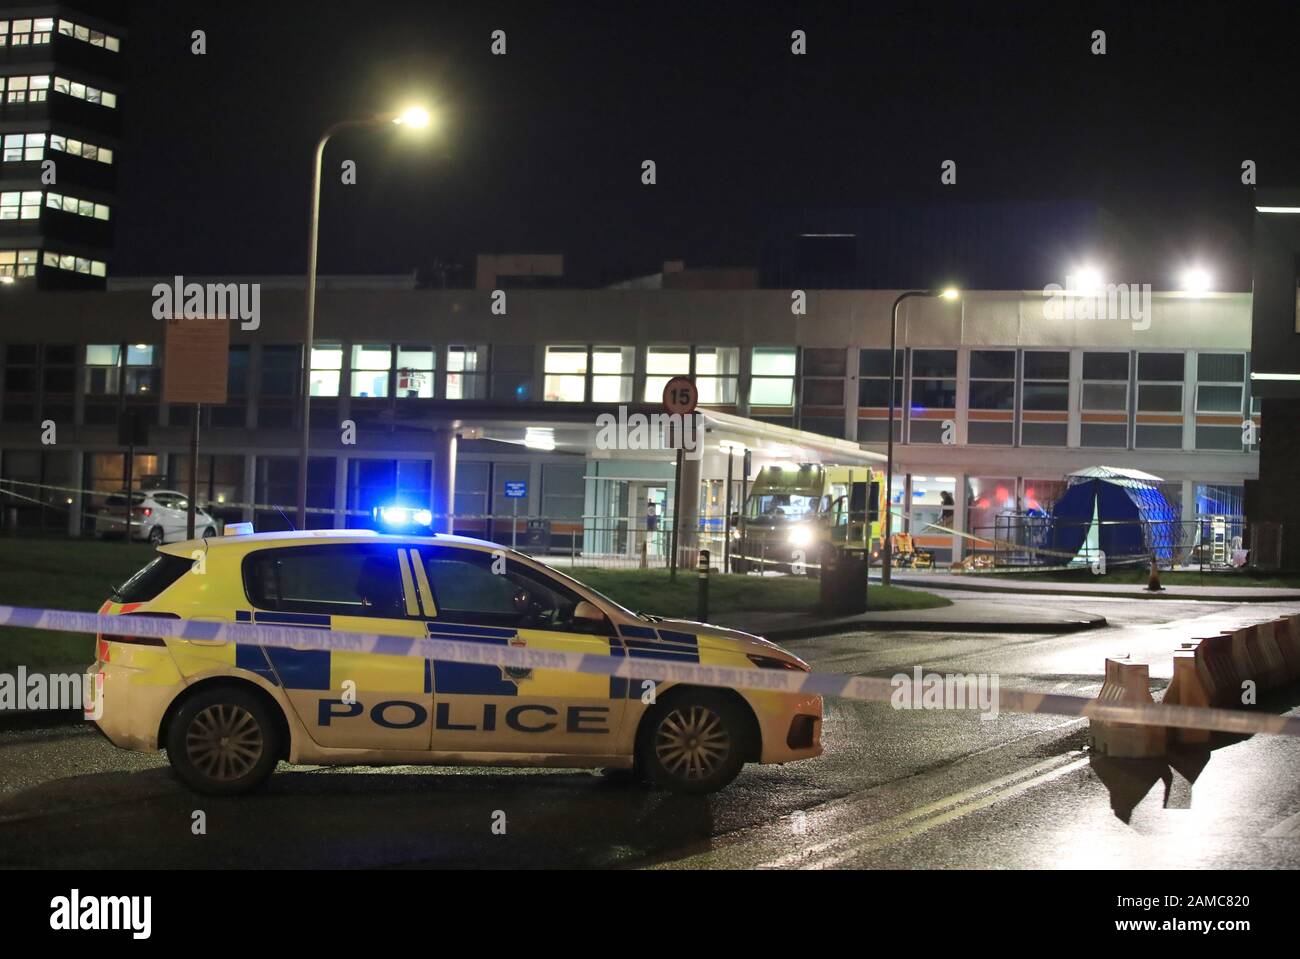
1126 683
1187 689
1217 671
1286 632
1264 650
1242 659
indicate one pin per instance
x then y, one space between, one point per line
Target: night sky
540 150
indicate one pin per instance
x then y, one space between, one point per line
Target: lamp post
888 554
414 118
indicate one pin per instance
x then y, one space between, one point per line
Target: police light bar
402 516
237 529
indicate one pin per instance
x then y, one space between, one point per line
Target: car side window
466 589
343 580
165 500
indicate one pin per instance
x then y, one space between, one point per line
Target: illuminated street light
411 118
948 293
1085 279
1197 280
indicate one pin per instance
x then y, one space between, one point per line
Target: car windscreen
154 577
780 505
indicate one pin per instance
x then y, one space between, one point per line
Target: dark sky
540 150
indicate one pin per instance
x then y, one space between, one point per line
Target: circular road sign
680 395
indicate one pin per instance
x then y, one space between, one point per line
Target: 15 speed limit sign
680 395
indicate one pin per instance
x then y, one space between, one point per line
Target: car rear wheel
209 532
223 742
693 743
156 536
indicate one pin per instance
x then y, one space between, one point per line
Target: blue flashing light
402 517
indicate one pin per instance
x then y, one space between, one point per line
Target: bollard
1126 682
702 598
645 552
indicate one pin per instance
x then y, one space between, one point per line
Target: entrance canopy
635 431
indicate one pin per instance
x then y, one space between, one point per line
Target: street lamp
949 293
412 118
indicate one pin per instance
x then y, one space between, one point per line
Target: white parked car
157 515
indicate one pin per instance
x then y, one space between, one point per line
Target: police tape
838 685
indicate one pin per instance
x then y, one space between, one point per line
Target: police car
228 712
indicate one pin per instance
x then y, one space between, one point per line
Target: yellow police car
228 712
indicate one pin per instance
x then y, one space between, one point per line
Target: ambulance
794 515
228 712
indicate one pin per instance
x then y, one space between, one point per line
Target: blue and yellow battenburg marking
327 669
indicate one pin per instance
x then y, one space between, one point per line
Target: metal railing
1210 542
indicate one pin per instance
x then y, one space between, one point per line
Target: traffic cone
1153 582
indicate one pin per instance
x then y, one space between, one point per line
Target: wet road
894 789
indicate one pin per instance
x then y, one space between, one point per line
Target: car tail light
106 638
771 662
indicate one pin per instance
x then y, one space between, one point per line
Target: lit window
19 146
611 368
466 372
414 372
717 373
662 363
17 263
20 206
370 367
326 365
773 376
103 368
566 374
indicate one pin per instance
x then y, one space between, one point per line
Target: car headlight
800 536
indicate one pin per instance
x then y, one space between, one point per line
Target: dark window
934 394
933 363
876 363
1106 366
1163 367
351 580
156 575
1160 399
992 396
280 370
876 392
823 362
1047 366
1047 396
237 371
823 392
1221 367
992 364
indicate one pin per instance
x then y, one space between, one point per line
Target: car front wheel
693 743
223 742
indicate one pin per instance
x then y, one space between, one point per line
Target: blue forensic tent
1119 512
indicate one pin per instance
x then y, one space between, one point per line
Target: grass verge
78 575
649 591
